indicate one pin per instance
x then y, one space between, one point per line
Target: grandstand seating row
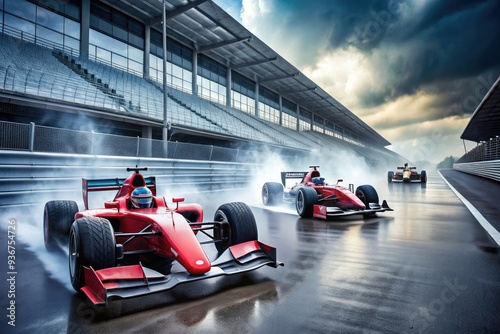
30 69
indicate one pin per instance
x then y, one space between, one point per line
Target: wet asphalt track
427 267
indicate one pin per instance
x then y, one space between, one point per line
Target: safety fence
483 160
37 138
484 151
489 169
32 177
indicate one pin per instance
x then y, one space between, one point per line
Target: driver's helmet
318 180
141 198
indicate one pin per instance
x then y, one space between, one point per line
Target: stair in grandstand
185 105
237 126
236 121
278 132
188 107
96 82
254 127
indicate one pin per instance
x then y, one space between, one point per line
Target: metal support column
165 96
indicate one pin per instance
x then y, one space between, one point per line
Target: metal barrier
36 138
31 177
485 151
483 160
489 169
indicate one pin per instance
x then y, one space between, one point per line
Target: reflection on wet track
426 267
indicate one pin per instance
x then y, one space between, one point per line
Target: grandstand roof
204 26
484 124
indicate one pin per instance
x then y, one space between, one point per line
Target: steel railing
488 169
483 160
37 138
31 177
484 151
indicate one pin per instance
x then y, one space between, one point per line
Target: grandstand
102 61
484 129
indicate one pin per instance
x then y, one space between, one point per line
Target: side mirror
340 180
112 205
177 200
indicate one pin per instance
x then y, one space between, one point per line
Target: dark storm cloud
412 45
342 20
319 24
439 43
438 10
410 68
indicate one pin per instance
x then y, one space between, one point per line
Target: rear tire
272 193
304 203
91 244
238 225
423 176
57 219
367 194
390 176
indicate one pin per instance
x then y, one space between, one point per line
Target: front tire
390 175
304 203
423 176
367 194
91 244
57 219
237 225
272 193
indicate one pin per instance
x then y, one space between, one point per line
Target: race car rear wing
291 175
89 185
409 167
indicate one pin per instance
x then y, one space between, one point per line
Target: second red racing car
313 197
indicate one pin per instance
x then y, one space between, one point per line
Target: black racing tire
305 200
367 194
57 219
272 193
91 244
423 176
238 225
390 176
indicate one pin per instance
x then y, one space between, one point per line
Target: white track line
484 223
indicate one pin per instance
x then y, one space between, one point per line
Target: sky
413 70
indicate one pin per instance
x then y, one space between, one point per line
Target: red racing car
407 174
315 198
127 248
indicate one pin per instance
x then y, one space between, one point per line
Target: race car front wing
326 212
102 286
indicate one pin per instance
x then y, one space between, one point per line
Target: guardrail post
211 150
32 136
92 142
138 143
496 148
175 151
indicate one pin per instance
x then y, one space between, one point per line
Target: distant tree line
446 163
